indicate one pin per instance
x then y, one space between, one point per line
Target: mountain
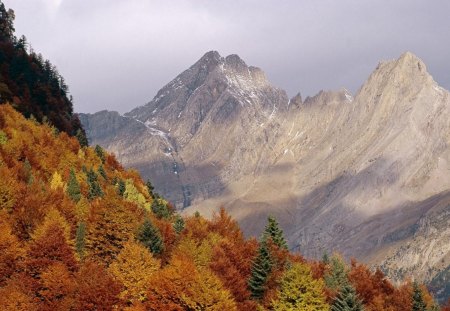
365 175
178 136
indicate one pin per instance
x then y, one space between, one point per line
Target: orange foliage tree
180 286
232 263
95 289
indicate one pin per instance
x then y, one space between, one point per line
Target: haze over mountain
366 174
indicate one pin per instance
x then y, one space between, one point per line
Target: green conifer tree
73 187
81 136
274 232
261 268
150 237
80 239
101 172
121 187
417 299
336 277
347 300
178 224
150 188
160 209
100 153
94 186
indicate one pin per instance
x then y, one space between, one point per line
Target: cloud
117 54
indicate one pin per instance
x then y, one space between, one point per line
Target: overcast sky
116 54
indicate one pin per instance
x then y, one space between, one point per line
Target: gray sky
116 54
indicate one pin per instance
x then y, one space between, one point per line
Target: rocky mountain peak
410 61
408 72
210 60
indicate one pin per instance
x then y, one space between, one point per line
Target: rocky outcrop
366 175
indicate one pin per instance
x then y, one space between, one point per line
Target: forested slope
31 83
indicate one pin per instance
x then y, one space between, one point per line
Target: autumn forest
80 232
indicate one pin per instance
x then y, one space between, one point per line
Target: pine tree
417 299
94 186
121 187
150 188
73 187
80 242
347 300
101 172
274 232
81 136
261 268
100 153
160 209
178 225
336 278
150 237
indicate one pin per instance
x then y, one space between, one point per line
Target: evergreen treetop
73 187
336 278
274 232
347 300
178 225
150 237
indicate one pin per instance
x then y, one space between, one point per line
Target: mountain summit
216 97
362 174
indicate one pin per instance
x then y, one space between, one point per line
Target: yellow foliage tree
198 252
82 209
133 267
300 291
56 181
132 194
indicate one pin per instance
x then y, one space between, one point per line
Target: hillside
33 84
363 174
78 232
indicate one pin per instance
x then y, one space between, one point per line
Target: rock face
178 138
366 175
